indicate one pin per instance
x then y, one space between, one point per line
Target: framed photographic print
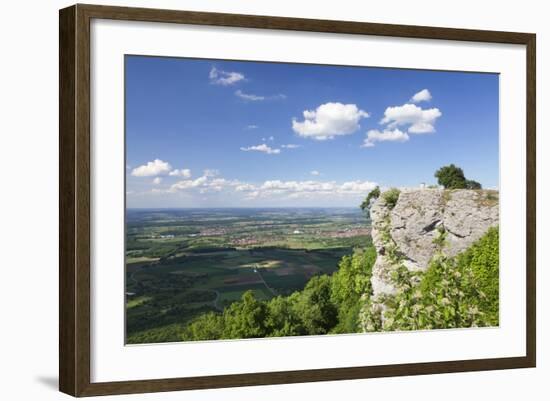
250 200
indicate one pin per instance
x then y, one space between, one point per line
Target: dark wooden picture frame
74 199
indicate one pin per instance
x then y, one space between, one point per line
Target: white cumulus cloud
356 187
217 184
423 96
208 182
184 172
314 172
224 78
157 180
420 121
261 148
156 167
329 120
395 135
291 146
187 184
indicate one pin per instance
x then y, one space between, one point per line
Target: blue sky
212 133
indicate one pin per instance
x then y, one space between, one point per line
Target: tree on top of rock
452 177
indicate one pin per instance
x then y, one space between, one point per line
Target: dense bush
480 266
283 318
349 284
453 292
206 327
391 196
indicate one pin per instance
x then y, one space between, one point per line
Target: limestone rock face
409 231
415 220
467 217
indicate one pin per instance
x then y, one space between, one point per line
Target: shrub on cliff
453 292
371 197
349 284
391 196
480 265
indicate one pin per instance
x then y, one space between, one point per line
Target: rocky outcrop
422 223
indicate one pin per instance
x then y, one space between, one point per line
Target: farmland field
181 263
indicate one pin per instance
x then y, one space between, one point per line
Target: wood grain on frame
74 199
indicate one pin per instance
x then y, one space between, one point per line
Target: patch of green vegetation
391 252
351 282
167 333
480 267
390 197
371 197
133 302
441 238
454 292
228 297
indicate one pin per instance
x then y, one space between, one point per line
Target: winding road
257 270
